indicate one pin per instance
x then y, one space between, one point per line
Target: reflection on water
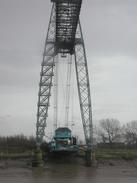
69 172
64 173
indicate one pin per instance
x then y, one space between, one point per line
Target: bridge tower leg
84 91
46 75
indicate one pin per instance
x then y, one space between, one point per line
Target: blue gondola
63 141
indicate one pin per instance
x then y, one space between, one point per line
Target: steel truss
51 50
83 86
46 76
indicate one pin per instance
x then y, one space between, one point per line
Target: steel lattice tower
64 36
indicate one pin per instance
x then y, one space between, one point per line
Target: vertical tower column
46 76
83 89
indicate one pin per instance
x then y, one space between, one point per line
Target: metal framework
67 16
46 76
83 86
64 36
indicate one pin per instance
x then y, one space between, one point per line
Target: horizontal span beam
66 1
67 17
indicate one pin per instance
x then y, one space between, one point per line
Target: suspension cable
56 93
72 99
69 69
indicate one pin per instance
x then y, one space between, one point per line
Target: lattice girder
64 36
83 86
46 75
67 16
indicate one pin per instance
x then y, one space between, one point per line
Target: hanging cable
72 98
69 69
56 93
62 87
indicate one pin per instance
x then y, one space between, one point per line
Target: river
73 173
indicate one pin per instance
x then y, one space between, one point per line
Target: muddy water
74 173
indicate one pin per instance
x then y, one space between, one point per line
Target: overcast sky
110 34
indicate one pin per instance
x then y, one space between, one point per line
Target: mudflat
105 171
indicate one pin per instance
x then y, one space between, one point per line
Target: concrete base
88 157
37 160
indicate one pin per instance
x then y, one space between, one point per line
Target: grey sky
109 28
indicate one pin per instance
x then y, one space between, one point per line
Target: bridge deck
67 16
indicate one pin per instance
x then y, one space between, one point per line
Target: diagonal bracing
46 76
64 37
83 86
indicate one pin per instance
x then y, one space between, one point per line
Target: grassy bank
100 154
15 155
127 154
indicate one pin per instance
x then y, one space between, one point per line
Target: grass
15 155
100 154
127 154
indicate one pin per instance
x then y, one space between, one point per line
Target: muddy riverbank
110 171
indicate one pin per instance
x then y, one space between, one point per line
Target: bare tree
110 130
99 134
130 133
